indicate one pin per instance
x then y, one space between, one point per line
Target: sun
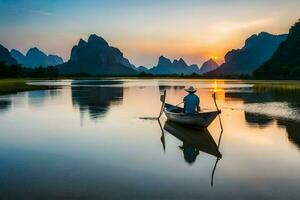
215 57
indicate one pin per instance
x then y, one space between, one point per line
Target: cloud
40 12
232 26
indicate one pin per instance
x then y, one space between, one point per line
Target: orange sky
144 30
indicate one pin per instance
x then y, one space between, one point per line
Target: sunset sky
144 30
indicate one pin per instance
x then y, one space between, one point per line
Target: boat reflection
286 107
193 141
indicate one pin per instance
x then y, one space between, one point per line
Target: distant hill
165 66
285 63
142 69
96 57
53 60
35 58
18 56
6 57
257 49
208 66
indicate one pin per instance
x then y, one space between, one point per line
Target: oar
180 103
213 173
219 141
163 99
162 138
214 98
219 111
217 160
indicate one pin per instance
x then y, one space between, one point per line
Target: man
191 101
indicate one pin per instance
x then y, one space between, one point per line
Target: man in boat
191 101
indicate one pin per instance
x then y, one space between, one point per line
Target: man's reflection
190 153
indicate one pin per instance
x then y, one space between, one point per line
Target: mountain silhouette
54 60
142 69
257 49
18 56
6 57
165 66
285 63
208 66
96 57
35 58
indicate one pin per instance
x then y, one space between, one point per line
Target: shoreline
11 86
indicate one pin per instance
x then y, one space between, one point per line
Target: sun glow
215 86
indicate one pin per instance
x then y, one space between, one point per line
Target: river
88 139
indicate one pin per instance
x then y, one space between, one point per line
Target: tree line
18 71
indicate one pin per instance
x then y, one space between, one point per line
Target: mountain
285 63
6 57
208 66
142 69
18 56
53 60
257 49
35 58
165 66
96 57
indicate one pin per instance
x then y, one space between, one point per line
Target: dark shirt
191 102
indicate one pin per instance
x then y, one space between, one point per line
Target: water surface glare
86 140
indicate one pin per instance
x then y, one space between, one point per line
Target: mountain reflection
38 98
258 119
250 97
291 97
165 87
95 100
263 120
292 129
5 105
259 112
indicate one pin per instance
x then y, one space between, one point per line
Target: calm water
86 141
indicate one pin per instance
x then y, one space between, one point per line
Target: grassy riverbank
276 85
8 86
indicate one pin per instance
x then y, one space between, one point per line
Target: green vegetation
17 71
276 85
285 63
14 77
8 86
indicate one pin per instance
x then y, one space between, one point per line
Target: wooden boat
200 139
201 119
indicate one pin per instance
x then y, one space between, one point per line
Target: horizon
39 24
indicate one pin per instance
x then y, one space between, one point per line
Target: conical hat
191 89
